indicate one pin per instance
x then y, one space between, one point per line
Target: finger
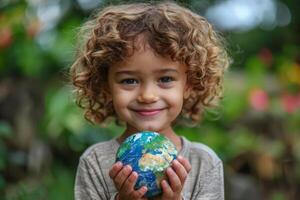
174 180
185 163
129 183
179 170
115 169
167 190
122 176
138 194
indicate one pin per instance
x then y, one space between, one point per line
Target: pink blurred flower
290 103
5 37
258 99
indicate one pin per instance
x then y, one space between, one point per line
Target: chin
149 128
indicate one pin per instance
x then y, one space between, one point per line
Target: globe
149 154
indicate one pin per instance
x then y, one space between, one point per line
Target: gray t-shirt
204 182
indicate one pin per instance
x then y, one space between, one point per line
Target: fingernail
118 163
175 162
179 157
164 182
169 170
144 188
128 167
135 174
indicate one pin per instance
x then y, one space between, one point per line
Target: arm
212 184
90 185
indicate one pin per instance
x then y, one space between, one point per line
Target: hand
124 179
177 175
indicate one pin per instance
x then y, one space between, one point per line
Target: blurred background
255 131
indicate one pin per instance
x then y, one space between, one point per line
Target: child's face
147 91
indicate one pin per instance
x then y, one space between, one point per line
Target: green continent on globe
149 154
123 148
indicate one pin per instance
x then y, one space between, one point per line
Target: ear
108 95
107 91
187 91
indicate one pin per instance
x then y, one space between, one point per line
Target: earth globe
149 154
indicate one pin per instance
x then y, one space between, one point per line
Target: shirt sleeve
212 184
89 185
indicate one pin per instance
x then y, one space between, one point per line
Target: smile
148 113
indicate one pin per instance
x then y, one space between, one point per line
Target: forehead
146 59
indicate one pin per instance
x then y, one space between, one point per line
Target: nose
147 95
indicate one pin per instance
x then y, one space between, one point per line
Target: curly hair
171 31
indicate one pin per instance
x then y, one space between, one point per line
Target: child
147 65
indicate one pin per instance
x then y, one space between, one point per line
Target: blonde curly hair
171 31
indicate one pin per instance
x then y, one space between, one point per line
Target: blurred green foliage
256 129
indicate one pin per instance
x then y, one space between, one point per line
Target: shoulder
201 154
101 150
200 149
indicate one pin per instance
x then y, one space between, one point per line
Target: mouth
148 112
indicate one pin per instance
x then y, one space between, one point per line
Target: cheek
119 104
174 98
118 100
121 98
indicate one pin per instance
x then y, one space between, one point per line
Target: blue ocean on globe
149 154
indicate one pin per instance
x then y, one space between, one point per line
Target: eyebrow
129 72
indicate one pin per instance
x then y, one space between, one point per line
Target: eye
129 81
166 79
